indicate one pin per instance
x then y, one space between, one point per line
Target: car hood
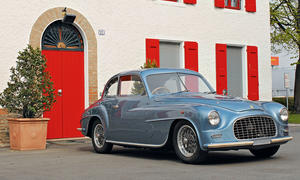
226 102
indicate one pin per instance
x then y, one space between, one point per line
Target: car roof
146 72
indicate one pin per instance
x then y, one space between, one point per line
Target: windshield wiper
181 91
211 92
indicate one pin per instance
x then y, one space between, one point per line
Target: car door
110 103
132 102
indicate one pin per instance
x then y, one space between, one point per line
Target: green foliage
138 87
282 100
284 27
285 33
30 89
294 118
150 64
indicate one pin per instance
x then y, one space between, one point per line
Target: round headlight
284 114
213 118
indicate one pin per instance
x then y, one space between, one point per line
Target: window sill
170 3
234 8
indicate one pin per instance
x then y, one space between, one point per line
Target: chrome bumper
245 143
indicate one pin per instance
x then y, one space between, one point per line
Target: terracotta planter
27 133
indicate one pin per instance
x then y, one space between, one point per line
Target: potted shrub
29 93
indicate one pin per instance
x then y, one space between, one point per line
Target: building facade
227 41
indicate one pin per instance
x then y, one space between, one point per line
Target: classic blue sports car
178 108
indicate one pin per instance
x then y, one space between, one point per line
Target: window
194 83
233 4
111 89
169 55
131 85
160 84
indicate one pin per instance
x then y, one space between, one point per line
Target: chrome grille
254 127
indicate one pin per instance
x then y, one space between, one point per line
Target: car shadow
233 157
214 158
145 153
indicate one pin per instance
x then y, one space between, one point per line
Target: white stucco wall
128 23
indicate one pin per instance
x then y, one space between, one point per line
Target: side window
131 85
111 89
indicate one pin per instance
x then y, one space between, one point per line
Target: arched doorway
63 47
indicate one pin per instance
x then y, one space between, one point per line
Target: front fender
162 119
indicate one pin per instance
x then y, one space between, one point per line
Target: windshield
169 83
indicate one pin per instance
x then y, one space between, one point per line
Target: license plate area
259 142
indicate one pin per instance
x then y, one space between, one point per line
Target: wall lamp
68 18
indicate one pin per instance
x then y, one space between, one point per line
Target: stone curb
294 125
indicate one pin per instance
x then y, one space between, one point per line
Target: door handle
115 106
59 92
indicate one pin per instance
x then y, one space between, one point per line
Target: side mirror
224 92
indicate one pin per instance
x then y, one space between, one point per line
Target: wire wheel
99 137
187 141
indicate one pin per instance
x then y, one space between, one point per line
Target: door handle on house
59 92
115 106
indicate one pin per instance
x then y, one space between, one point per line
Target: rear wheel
186 144
264 153
98 138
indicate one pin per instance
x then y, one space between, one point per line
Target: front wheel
98 138
186 144
265 152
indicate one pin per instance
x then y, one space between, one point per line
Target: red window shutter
190 1
191 63
221 67
251 5
220 3
253 83
152 50
191 55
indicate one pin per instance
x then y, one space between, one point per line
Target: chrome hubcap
99 138
187 141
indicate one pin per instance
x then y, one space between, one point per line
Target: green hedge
282 100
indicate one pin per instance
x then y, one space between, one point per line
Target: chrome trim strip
137 144
163 119
234 144
245 143
278 140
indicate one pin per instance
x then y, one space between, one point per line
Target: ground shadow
214 158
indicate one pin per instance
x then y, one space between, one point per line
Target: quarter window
131 85
111 89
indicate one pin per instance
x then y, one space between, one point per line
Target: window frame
236 8
119 86
108 84
172 0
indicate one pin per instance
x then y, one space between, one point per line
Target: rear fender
99 113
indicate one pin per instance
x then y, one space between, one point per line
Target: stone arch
54 14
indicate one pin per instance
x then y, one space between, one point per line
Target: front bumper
246 144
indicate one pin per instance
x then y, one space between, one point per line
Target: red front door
67 71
